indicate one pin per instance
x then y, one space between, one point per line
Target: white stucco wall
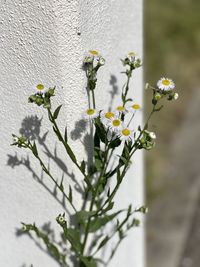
45 40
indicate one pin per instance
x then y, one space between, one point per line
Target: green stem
129 74
93 99
94 197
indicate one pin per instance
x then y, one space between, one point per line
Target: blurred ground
172 49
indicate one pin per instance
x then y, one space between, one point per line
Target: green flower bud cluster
159 94
147 141
91 63
164 88
27 227
42 99
142 209
132 61
19 141
173 96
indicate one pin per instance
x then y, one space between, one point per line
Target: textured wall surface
44 41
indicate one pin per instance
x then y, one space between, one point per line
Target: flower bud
157 96
61 219
152 135
88 59
146 86
101 61
175 96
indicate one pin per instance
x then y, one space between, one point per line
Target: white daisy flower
131 56
133 108
121 109
90 114
92 54
40 89
165 84
115 124
126 134
105 117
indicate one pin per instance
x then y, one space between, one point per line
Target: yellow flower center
90 112
109 115
126 132
94 52
120 108
116 123
135 106
166 82
40 87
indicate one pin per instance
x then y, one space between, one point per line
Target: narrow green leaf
97 223
57 133
96 139
65 135
123 160
135 222
129 210
109 207
98 164
101 132
73 236
83 216
115 143
87 262
128 100
56 112
83 165
70 194
108 193
70 153
34 149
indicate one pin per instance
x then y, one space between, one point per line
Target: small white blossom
106 117
125 134
165 84
40 88
131 56
90 114
115 124
133 108
121 110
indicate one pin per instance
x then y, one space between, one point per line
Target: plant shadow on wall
86 231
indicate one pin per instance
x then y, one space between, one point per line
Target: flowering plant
111 131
